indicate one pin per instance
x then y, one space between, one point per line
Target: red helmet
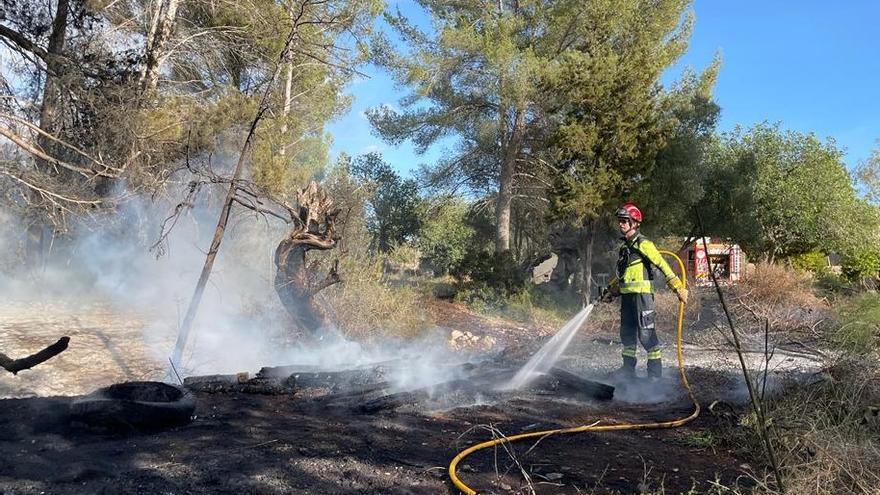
629 211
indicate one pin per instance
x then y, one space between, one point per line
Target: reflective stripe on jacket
633 276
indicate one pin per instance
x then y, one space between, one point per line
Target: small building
727 259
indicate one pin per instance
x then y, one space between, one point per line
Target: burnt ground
250 443
245 443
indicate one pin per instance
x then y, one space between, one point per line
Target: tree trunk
505 183
293 279
161 27
288 90
585 252
196 299
518 234
40 231
54 67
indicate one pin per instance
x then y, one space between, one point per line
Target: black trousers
637 326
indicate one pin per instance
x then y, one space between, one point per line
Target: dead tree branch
15 365
263 107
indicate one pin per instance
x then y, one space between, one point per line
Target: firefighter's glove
682 294
610 292
679 288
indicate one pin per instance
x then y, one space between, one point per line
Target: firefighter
635 272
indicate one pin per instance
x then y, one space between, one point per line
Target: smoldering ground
113 269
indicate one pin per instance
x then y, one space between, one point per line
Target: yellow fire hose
594 427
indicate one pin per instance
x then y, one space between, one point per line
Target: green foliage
781 193
488 277
542 304
813 261
475 84
831 283
679 166
393 206
445 236
351 198
859 329
605 93
868 174
862 263
701 440
232 48
404 255
482 220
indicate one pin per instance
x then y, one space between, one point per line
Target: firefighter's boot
655 369
628 370
655 366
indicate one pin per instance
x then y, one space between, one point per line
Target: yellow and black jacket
635 267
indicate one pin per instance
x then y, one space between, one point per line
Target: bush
401 259
444 238
832 283
861 264
780 295
830 442
814 262
365 306
826 434
488 277
542 304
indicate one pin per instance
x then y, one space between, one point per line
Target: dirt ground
297 444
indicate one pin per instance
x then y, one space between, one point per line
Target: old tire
138 405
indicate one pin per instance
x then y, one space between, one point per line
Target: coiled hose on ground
594 427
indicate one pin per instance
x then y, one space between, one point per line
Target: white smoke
240 325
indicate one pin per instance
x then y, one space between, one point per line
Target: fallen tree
15 365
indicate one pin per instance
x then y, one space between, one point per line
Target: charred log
411 397
295 282
571 383
335 381
15 365
341 399
225 384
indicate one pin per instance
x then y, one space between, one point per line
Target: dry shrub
826 435
777 285
829 432
779 295
365 306
666 303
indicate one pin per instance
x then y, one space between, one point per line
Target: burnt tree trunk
295 283
263 107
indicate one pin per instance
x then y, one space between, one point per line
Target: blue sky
812 65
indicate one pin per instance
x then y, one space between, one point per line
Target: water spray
546 357
597 426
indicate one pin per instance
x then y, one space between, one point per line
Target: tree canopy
781 193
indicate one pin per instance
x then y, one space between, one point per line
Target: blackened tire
138 405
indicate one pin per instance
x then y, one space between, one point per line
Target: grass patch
826 434
366 304
859 330
701 440
534 305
